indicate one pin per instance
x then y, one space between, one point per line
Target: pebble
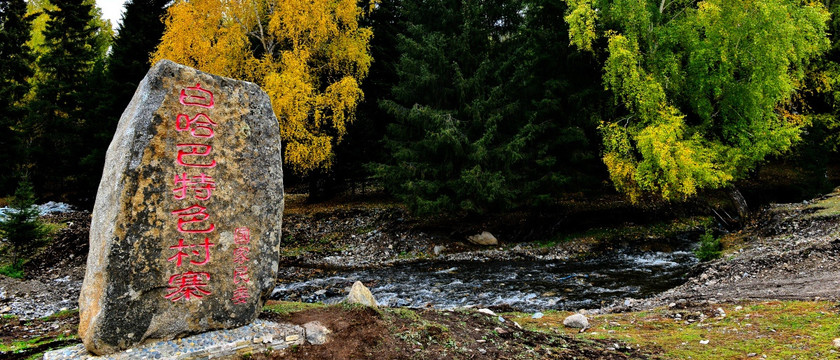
537 315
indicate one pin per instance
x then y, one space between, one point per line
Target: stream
524 285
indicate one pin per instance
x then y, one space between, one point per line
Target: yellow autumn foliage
308 55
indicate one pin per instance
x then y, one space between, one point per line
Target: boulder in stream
359 294
485 238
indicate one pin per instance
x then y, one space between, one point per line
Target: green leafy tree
39 10
15 70
818 98
21 227
706 87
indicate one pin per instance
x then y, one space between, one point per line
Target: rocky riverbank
788 251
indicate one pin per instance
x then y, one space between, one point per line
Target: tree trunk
740 204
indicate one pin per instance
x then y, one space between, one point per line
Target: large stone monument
186 228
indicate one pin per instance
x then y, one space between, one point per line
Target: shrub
710 247
21 227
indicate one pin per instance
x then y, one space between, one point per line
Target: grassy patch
62 315
22 346
13 270
828 207
777 329
288 307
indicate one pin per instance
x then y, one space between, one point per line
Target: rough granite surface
185 231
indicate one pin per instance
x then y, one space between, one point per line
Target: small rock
359 294
438 249
739 308
500 331
704 342
752 355
576 321
316 333
836 342
487 311
501 319
537 315
292 338
485 238
321 292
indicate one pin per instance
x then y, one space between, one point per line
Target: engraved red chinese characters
188 285
196 96
178 257
199 126
242 237
194 150
201 186
190 215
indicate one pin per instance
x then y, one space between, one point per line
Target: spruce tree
113 82
456 141
15 61
21 226
57 125
493 109
137 36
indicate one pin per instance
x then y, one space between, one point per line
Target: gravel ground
788 251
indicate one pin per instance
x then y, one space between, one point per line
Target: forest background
463 107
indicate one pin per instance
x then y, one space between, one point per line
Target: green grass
13 270
288 307
777 329
829 207
23 345
61 314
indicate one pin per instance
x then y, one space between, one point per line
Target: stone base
220 344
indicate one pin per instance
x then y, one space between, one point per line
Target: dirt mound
68 250
366 333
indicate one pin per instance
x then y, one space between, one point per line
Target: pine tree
56 124
15 70
137 36
114 80
456 140
21 226
493 110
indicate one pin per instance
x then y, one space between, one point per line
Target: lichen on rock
185 231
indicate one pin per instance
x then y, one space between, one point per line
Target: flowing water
526 286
